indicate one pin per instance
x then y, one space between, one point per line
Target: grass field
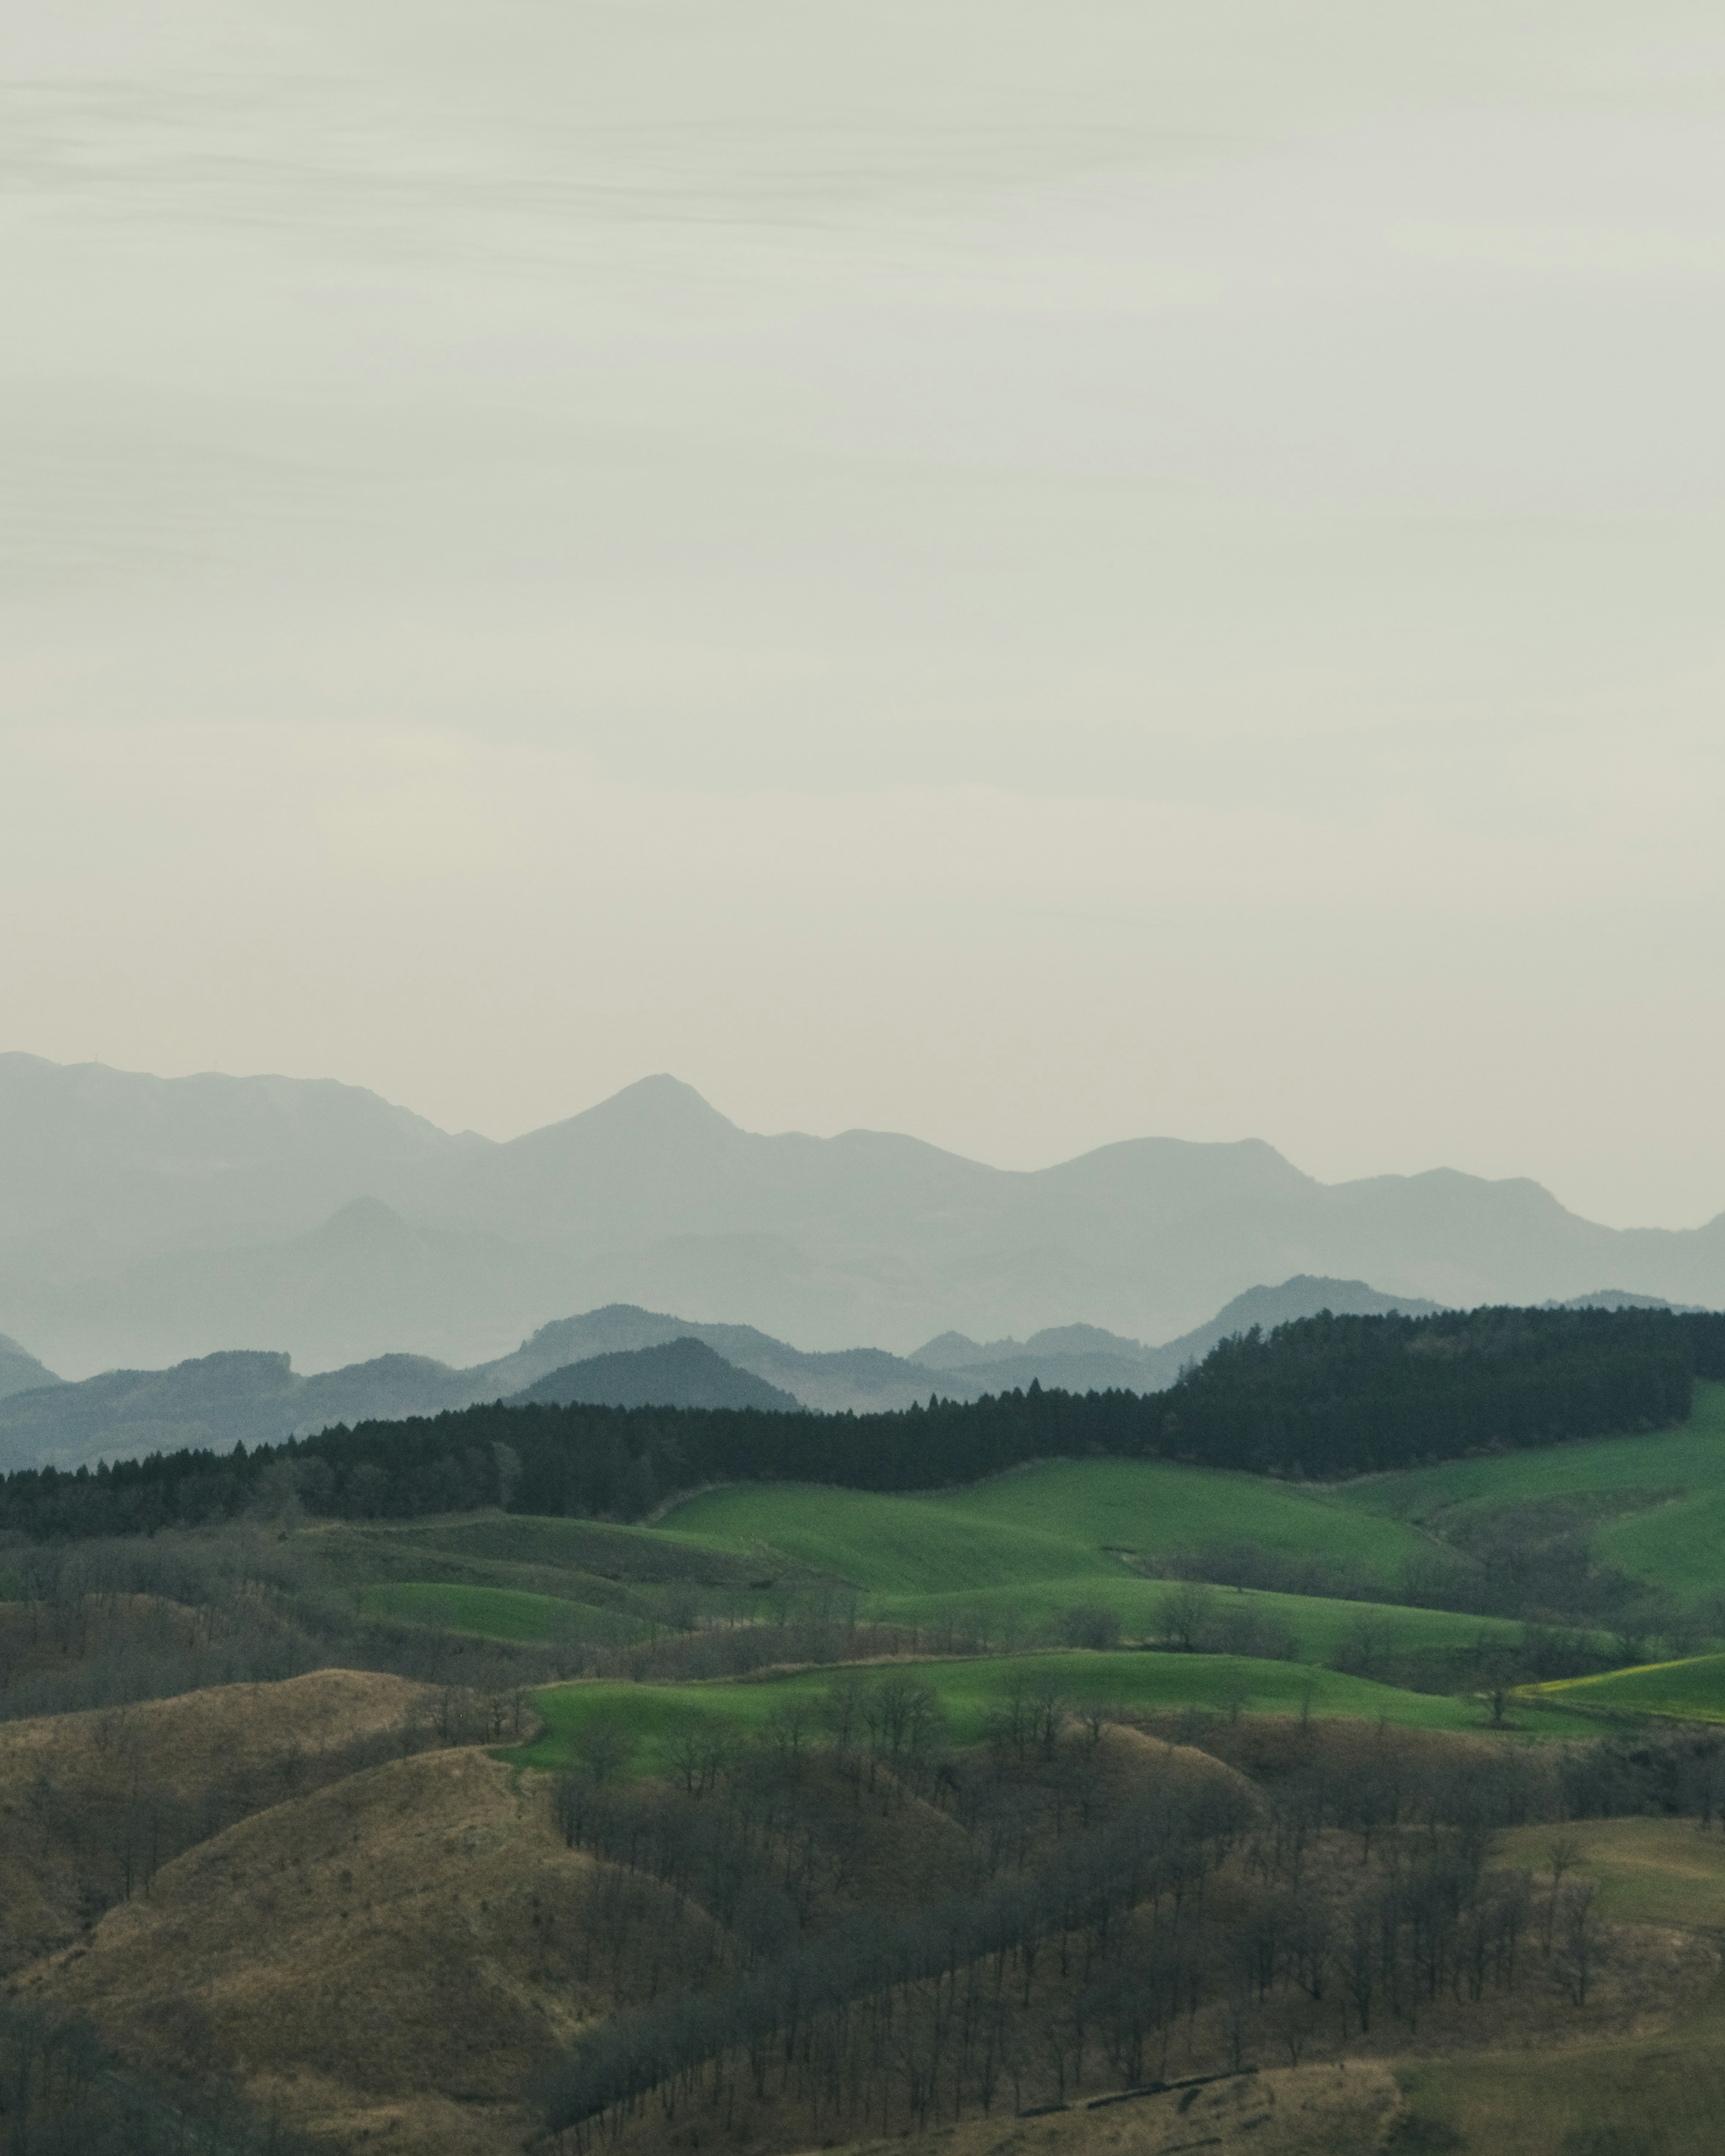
488 1613
1664 1871
1319 1623
1661 2094
1061 1520
1009 1558
1690 1691
1666 1492
971 1691
501 1549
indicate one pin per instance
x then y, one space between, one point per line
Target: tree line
1323 1397
1103 1921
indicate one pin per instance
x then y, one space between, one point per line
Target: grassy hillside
1658 1498
1063 1519
1691 1690
491 1613
1646 1870
1622 2095
1010 1557
1679 1544
971 1691
1314 1625
588 1551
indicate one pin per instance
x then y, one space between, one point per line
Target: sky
1032 572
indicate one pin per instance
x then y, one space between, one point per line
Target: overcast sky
1030 574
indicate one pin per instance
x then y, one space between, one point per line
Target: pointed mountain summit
20 1370
151 1220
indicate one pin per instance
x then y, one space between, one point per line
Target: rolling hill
153 1221
682 1374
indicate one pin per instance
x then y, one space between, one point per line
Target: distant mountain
217 1401
682 1374
955 1351
1084 1358
630 1356
1304 1296
1075 1359
20 1370
249 1398
1617 1298
150 1220
862 1378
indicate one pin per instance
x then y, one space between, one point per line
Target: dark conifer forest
1323 1398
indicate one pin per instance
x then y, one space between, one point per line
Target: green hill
1690 1691
1656 1500
1066 1519
971 1692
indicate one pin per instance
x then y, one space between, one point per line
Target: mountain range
621 1356
146 1221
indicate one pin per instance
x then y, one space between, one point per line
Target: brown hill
92 1804
1311 2111
392 1956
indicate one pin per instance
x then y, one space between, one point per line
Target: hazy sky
1032 573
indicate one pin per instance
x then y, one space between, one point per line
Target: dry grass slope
76 1787
388 1956
1307 2110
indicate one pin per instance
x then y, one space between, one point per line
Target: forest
1323 1398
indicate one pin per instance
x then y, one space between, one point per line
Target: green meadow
1011 1560
971 1562
1692 1690
1660 1496
971 1691
1316 1626
486 1613
1063 1519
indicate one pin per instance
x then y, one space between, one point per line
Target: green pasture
500 1548
1690 1691
488 1613
1062 1520
1665 1490
902 1544
1689 1458
1320 1624
971 1691
1152 1508
1680 1545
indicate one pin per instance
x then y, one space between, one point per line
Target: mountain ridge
150 1220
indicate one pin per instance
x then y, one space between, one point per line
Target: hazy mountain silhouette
1085 1357
20 1370
148 1220
246 1397
218 1400
854 1377
681 1374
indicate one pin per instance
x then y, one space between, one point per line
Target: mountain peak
661 1098
20 1370
644 1119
